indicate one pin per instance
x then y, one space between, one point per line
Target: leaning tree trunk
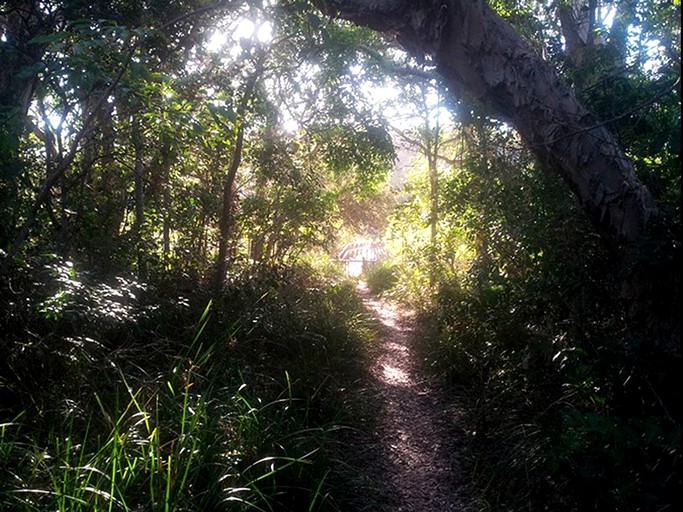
479 54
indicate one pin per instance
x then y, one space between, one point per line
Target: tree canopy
518 162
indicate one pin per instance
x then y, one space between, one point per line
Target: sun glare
607 14
289 124
265 32
216 41
230 37
244 29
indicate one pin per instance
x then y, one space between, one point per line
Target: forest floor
418 440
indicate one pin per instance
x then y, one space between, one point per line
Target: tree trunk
19 24
100 108
167 160
139 192
479 54
432 145
574 24
226 217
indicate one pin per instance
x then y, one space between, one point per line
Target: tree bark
139 193
19 24
575 31
479 54
225 222
167 159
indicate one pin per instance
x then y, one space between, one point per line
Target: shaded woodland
179 177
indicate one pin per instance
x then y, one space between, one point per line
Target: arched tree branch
478 53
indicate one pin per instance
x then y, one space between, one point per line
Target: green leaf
51 38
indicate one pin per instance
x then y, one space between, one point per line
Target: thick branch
479 53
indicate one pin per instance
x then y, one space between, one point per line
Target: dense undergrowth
121 395
569 358
564 411
380 277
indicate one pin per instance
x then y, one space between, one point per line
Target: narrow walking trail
420 447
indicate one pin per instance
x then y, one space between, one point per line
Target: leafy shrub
559 417
380 277
173 404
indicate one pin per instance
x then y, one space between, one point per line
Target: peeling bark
575 32
478 53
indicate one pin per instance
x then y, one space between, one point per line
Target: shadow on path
419 459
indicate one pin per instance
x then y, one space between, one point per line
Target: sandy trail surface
417 434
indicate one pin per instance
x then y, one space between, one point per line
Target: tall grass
557 418
380 277
242 408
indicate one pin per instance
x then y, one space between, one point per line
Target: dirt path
419 461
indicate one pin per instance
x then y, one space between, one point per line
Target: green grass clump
240 403
380 277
